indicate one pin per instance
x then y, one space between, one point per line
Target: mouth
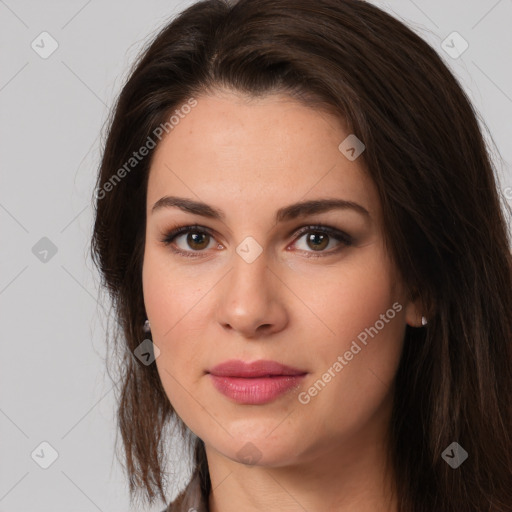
262 368
255 383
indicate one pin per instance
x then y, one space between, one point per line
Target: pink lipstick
254 383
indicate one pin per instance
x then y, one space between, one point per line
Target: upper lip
261 368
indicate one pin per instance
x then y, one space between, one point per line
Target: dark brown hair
443 214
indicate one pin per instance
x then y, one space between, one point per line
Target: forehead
234 148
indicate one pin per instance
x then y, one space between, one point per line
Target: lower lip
258 390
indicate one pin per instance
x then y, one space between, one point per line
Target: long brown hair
443 214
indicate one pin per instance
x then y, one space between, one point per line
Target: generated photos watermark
305 397
143 151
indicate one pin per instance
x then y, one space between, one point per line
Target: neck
351 475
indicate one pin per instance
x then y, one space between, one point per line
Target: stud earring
146 327
423 321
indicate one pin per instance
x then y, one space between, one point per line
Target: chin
263 452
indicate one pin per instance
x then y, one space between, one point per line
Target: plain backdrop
54 388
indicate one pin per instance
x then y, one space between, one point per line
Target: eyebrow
286 213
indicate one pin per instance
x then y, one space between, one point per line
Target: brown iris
198 240
312 237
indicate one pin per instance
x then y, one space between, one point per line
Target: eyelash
344 239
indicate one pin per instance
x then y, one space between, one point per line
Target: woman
300 228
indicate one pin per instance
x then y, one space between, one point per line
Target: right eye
197 238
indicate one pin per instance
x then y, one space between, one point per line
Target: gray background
53 383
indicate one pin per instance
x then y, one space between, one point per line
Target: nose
251 299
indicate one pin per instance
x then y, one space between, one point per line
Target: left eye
318 238
199 239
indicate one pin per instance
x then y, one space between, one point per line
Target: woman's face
250 284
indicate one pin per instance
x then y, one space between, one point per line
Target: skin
250 157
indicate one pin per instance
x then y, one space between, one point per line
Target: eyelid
343 238
323 228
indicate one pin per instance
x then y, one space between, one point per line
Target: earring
423 321
146 327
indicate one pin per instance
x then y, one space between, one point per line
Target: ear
415 312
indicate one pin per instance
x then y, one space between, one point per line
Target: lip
254 383
260 368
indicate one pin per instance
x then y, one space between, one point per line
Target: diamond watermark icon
44 250
44 45
44 455
352 147
249 249
249 454
454 45
454 455
147 352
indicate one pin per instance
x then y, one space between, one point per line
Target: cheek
345 301
169 293
176 303
356 357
